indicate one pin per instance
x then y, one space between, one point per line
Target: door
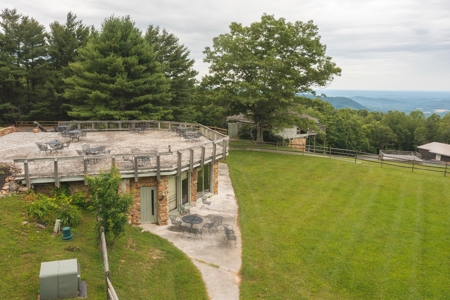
148 205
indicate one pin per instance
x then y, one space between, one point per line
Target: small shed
435 151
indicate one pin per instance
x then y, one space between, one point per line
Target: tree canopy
116 76
260 69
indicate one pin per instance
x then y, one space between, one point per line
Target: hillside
343 102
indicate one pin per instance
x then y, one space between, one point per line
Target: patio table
74 134
192 219
54 145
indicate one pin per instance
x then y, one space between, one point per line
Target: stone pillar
163 200
216 177
194 183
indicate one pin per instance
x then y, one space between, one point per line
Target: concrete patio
218 262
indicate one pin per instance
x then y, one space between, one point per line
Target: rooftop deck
153 152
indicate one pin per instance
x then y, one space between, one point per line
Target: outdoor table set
212 224
56 145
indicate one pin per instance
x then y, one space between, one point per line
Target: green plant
47 209
80 200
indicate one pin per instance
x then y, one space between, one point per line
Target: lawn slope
143 266
315 228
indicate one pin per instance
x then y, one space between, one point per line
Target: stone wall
8 130
194 179
298 143
8 184
162 196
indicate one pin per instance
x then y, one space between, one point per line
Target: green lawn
143 266
315 228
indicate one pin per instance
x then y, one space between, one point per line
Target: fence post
330 151
412 169
356 154
27 173
445 171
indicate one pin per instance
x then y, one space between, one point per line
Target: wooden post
202 159
225 145
85 170
356 154
55 166
412 169
135 169
330 151
158 166
27 173
191 160
214 153
179 164
113 161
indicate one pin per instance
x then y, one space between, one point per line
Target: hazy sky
379 44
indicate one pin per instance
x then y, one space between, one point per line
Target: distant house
296 135
435 151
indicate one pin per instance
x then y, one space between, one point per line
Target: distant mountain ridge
428 102
342 102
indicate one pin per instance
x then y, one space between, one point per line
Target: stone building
166 166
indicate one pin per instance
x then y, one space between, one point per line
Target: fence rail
352 155
110 292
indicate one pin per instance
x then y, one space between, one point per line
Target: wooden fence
110 292
348 154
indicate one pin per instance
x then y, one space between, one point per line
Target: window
204 180
184 188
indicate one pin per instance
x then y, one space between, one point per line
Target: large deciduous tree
117 76
259 70
178 69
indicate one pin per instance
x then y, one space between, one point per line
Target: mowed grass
315 228
142 265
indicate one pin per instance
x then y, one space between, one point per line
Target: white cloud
379 44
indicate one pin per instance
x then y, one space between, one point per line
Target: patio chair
176 223
229 233
197 136
84 147
43 147
206 202
196 232
185 210
217 221
64 133
208 226
65 145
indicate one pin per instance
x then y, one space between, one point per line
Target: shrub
47 209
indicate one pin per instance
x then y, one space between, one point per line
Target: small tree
110 205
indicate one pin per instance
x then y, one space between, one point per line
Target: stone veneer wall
8 130
194 179
298 143
163 204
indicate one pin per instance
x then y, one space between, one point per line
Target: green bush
79 200
47 210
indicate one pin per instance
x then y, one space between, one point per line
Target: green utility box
59 279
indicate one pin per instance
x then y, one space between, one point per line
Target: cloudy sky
379 44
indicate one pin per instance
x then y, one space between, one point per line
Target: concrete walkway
218 262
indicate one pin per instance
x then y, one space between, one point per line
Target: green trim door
149 211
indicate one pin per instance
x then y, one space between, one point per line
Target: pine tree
178 69
64 42
116 76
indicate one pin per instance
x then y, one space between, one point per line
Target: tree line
76 72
